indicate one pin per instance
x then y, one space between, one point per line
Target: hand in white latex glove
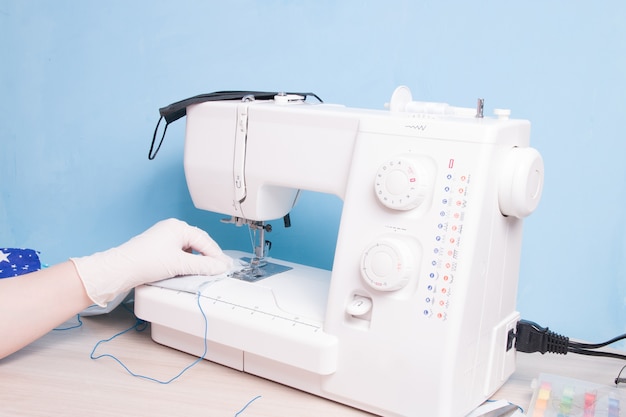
163 251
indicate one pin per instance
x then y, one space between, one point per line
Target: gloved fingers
193 238
200 241
177 232
202 265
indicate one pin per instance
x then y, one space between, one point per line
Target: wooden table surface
55 376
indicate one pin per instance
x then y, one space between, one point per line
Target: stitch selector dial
388 264
401 183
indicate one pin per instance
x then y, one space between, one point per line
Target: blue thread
75 326
141 325
247 405
136 327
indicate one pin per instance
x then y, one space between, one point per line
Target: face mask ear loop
151 155
178 110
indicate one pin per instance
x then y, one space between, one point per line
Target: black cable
598 345
531 337
597 353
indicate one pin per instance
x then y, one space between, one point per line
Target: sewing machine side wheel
401 183
389 263
520 182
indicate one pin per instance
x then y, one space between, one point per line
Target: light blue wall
81 82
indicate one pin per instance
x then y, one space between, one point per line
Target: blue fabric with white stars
14 262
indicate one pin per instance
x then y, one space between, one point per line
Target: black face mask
178 109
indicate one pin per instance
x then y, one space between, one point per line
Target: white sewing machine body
415 316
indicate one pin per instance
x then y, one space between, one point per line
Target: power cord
531 337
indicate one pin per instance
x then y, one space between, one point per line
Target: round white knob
283 98
388 264
359 306
400 98
401 183
521 182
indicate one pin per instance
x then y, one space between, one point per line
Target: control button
359 306
402 183
389 263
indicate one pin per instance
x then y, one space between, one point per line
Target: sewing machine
417 316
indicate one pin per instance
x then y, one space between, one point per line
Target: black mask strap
156 129
177 110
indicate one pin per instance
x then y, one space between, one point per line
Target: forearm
33 304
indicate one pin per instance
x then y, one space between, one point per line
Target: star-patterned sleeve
14 262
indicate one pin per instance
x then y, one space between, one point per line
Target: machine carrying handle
178 109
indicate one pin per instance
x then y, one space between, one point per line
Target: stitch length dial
388 264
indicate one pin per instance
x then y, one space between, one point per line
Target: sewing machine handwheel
521 182
388 263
